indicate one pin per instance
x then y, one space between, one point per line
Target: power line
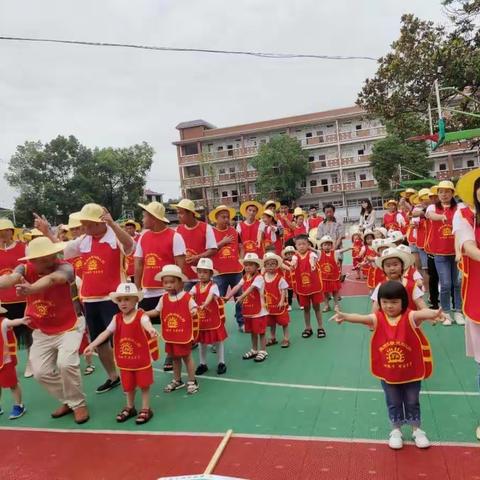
198 50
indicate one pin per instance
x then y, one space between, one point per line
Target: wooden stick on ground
218 453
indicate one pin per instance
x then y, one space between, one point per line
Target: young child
276 298
412 273
330 270
135 346
396 237
367 254
380 232
299 222
252 300
8 362
288 253
269 232
308 285
357 244
376 275
211 315
399 357
179 319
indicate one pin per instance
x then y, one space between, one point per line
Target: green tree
282 166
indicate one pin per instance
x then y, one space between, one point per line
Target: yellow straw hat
171 271
157 210
272 256
408 192
299 212
391 201
253 203
268 203
206 264
42 247
91 212
73 221
186 204
35 232
465 186
6 224
392 252
137 226
126 290
270 213
251 257
212 216
446 184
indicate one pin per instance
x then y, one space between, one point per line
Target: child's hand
89 350
339 317
281 304
152 332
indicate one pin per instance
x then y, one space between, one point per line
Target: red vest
10 346
213 316
390 221
410 272
227 258
329 268
102 270
195 240
178 324
471 274
132 346
248 237
441 240
130 259
52 310
410 287
302 230
273 294
306 280
369 252
252 303
268 240
287 274
157 249
396 351
8 261
412 234
77 264
406 219
356 248
287 231
375 276
421 232
314 222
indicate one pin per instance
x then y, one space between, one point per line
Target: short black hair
328 205
270 248
302 236
284 203
393 290
312 207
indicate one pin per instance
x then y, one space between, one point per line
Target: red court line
352 286
38 455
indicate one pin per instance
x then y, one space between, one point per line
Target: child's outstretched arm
419 316
105 335
152 313
233 291
343 250
207 301
244 294
340 317
16 322
148 327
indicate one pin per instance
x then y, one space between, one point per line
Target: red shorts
131 379
313 299
209 337
8 376
256 325
283 319
178 350
331 286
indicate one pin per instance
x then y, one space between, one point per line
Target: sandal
249 355
89 369
326 308
261 356
125 414
192 387
144 416
285 344
173 385
321 333
272 341
307 333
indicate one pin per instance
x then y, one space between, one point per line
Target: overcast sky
117 97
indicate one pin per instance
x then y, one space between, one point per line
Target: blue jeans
230 280
449 277
403 403
423 258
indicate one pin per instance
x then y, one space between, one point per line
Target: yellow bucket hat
298 211
270 213
73 221
447 184
35 232
171 271
156 209
186 204
90 212
269 203
42 247
212 216
408 192
6 224
253 203
391 201
465 186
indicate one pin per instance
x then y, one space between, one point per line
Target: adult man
248 228
313 220
49 286
227 259
198 236
158 245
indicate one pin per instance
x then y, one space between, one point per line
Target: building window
442 166
458 163
243 189
311 158
224 194
313 183
304 184
358 127
334 178
319 133
221 171
308 134
362 176
377 202
220 148
323 164
215 192
361 151
190 149
470 163
231 169
235 195
351 176
321 157
330 126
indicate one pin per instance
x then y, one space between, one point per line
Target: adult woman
367 216
441 244
466 227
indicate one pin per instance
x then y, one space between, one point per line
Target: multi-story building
215 164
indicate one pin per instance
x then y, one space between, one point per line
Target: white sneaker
420 438
477 432
395 440
289 308
28 370
458 317
448 320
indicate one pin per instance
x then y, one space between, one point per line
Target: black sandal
272 341
307 333
125 414
144 416
321 333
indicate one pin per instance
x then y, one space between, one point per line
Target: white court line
236 435
326 387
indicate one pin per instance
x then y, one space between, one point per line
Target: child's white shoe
420 438
458 317
396 440
448 320
477 432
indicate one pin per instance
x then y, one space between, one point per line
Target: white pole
437 94
430 119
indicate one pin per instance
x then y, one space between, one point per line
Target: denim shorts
423 258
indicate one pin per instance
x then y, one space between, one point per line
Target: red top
411 234
52 310
396 353
130 259
214 315
301 230
314 222
375 276
329 268
77 264
441 240
306 280
268 240
405 216
102 270
227 258
287 231
157 250
177 320
248 237
390 221
8 261
131 343
421 232
410 287
252 303
10 346
195 241
273 294
287 274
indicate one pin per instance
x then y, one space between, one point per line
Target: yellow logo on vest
395 355
126 349
152 260
327 268
94 264
226 252
305 278
41 308
446 231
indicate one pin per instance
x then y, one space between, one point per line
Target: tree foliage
282 166
59 177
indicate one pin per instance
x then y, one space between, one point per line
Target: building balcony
355 160
334 163
449 174
344 137
220 179
228 154
345 187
